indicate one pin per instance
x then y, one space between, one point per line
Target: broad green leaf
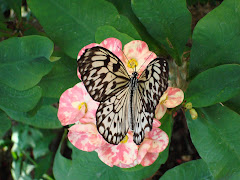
22 101
5 123
16 6
168 21
72 23
124 8
23 61
89 166
234 103
214 85
104 32
197 169
62 77
215 134
46 117
216 38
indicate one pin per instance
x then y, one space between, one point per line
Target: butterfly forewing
102 73
151 85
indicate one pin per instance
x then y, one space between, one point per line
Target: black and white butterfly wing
107 81
152 83
102 73
112 117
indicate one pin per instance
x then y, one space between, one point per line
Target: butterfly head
134 74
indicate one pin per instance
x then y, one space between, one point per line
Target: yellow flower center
164 98
132 63
125 139
81 105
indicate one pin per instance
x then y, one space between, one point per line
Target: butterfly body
125 102
132 87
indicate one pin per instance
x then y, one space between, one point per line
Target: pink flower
171 98
85 137
122 155
78 108
155 142
76 104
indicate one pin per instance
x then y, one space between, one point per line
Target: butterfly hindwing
112 117
152 83
102 73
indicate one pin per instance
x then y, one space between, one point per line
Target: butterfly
126 101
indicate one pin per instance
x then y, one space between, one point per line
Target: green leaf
104 32
72 23
89 166
168 21
197 169
43 165
5 123
216 38
24 61
215 134
62 166
62 77
19 100
16 6
46 117
234 103
124 8
214 85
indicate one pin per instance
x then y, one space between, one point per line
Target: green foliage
62 77
24 61
214 85
5 123
171 27
216 38
191 170
28 141
217 139
104 32
72 24
22 101
40 64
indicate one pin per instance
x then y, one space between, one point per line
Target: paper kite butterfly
126 102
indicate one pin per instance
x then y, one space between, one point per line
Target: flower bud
193 113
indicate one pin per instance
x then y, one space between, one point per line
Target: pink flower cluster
78 108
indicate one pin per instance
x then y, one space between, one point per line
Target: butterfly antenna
145 60
125 56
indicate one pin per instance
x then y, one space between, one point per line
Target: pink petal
121 165
68 111
160 111
149 158
125 153
156 123
139 51
159 140
114 45
85 137
175 97
143 149
87 121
